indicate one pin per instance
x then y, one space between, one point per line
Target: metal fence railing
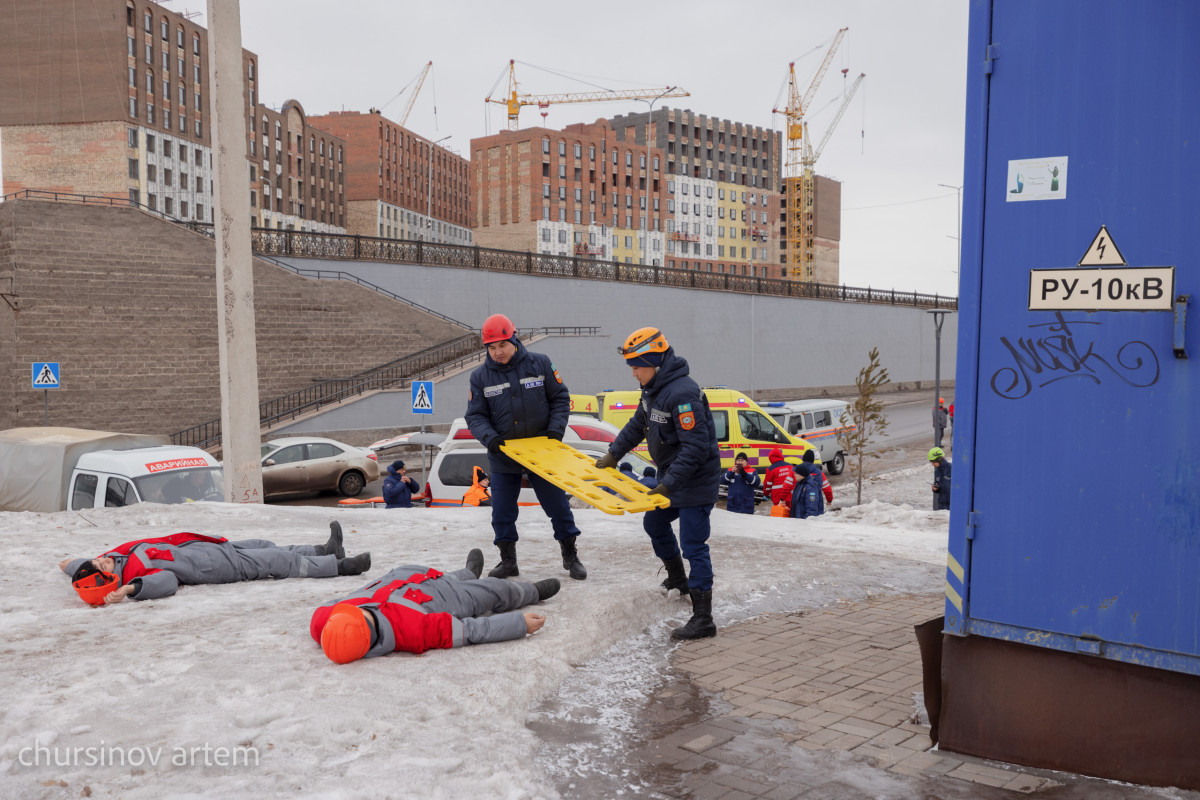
429 363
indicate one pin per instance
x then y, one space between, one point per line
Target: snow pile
220 691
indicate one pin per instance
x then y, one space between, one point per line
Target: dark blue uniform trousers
693 540
506 487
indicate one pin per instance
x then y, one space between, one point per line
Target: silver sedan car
312 464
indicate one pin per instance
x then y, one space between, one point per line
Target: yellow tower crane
515 100
801 157
420 82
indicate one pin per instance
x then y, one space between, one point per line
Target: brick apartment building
712 202
398 184
110 98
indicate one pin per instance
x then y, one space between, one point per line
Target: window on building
166 60
168 205
149 82
149 53
196 73
251 71
133 168
545 190
199 129
592 153
195 44
132 50
167 118
151 172
562 193
562 237
179 36
578 150
545 145
148 22
131 137
562 172
133 107
133 77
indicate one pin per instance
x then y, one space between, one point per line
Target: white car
452 470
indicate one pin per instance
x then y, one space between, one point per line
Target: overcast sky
901 136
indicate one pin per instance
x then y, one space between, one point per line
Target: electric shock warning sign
1109 285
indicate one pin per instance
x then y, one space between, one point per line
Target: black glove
494 447
555 435
660 489
606 461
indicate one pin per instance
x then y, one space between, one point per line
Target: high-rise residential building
120 108
597 191
725 189
400 185
827 231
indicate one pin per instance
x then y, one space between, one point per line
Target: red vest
415 631
134 567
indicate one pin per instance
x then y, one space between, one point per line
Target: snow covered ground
220 691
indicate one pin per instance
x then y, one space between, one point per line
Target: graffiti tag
1039 361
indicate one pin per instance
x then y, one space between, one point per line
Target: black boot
676 576
333 547
354 565
700 626
475 561
507 568
571 562
547 588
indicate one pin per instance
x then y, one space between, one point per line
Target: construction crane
801 157
420 81
514 100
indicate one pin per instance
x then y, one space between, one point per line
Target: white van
452 470
168 474
817 422
56 469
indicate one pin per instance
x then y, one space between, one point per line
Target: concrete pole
236 345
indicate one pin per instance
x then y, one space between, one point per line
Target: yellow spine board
576 474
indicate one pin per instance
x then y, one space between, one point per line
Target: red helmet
498 328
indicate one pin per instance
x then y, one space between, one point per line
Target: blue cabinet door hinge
993 52
972 523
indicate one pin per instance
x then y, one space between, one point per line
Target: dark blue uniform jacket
674 419
525 397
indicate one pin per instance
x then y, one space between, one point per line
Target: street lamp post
649 176
958 224
429 193
939 316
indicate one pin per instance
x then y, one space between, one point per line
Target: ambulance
585 404
820 422
742 427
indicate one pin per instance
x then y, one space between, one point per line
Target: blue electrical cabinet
1075 516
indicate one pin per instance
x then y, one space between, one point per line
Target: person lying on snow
416 608
151 568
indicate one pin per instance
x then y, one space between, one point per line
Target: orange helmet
346 636
498 328
94 587
644 347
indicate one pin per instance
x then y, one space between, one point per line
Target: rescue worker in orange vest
151 568
417 608
478 494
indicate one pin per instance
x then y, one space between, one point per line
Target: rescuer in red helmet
516 394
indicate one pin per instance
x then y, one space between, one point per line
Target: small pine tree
866 414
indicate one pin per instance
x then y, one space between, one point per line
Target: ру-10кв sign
1112 289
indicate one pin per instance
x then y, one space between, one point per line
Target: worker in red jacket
148 569
416 608
780 479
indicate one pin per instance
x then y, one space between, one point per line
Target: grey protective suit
459 594
207 562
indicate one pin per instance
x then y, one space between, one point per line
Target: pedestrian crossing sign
422 397
45 374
